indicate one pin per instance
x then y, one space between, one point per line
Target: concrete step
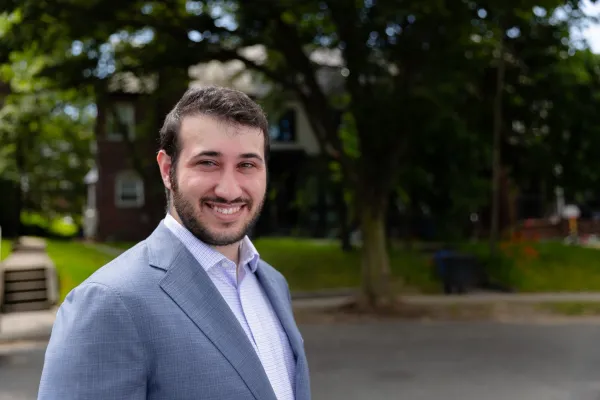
28 278
24 285
29 295
26 306
24 275
24 290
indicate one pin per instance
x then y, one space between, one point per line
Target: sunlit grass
74 262
544 266
5 248
317 264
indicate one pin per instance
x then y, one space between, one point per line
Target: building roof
234 74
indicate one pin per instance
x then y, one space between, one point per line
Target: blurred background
434 194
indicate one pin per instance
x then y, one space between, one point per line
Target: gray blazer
151 325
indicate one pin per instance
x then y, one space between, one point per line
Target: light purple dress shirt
243 293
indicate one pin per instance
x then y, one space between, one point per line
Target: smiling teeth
227 210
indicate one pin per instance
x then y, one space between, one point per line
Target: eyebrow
219 154
251 156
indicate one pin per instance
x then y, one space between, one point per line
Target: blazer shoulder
125 272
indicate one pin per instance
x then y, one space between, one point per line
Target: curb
321 294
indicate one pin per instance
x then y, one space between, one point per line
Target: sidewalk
37 325
26 326
470 298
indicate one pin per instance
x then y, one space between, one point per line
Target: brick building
126 200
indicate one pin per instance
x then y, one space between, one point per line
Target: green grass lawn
316 264
307 264
121 245
74 262
544 267
572 308
4 249
320 264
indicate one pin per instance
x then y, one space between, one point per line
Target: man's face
220 182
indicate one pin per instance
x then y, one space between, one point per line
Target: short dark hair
228 105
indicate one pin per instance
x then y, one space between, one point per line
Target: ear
164 165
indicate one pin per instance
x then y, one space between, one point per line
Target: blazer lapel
190 287
279 300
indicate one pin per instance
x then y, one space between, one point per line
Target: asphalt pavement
454 361
414 361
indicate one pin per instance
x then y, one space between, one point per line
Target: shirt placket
263 330
237 286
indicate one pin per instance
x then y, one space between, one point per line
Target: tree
46 139
395 69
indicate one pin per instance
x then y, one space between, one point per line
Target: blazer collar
190 287
275 288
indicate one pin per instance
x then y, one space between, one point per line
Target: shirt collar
206 255
248 254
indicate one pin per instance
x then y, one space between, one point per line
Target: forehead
205 133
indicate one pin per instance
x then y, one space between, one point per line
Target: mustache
220 200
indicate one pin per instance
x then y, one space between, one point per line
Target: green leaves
411 79
45 134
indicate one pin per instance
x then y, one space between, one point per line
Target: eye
246 165
207 163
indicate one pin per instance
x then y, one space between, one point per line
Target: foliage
45 134
414 81
36 224
541 267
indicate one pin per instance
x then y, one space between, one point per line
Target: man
191 312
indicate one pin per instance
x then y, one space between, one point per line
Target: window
120 121
284 129
129 190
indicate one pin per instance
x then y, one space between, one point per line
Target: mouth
225 211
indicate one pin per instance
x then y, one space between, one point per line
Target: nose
228 186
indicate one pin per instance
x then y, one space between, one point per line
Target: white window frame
126 109
128 177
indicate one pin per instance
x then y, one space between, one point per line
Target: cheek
192 185
257 187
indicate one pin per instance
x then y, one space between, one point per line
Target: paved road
453 361
20 370
418 361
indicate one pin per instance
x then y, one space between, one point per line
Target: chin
230 236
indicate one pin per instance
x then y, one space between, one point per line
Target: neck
175 215
231 251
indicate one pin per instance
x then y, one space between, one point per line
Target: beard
192 220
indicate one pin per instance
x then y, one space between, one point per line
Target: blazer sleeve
94 351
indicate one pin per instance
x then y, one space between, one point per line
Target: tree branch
311 94
230 55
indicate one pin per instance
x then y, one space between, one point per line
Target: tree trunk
375 260
497 160
344 224
20 195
